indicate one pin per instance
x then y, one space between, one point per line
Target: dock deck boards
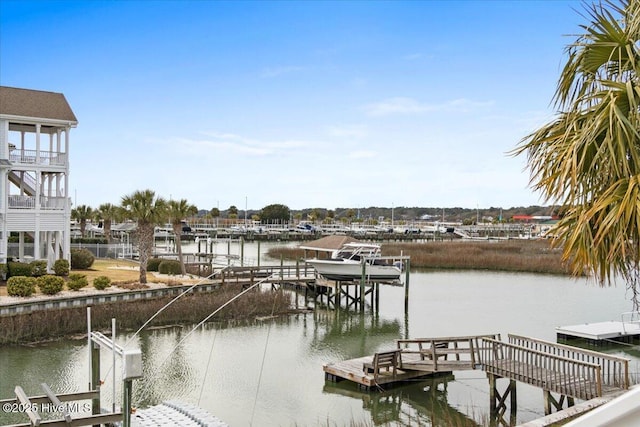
352 370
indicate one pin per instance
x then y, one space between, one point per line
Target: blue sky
309 104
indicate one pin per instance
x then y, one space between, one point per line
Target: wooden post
377 301
241 251
514 403
406 285
362 279
492 395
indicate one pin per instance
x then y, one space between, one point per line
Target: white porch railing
29 202
31 157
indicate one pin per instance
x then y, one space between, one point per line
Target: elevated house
34 174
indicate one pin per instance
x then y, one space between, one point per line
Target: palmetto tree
107 213
588 158
148 211
177 210
81 214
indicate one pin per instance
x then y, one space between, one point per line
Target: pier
570 372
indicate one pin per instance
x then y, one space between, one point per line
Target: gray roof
35 104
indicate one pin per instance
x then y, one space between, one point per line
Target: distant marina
376 231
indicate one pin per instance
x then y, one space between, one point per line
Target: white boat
347 262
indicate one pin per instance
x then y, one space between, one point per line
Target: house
34 173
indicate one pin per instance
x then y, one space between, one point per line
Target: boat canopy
328 243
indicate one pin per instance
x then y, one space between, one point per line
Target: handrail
440 347
551 372
16 201
615 369
634 317
37 157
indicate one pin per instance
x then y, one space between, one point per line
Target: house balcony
29 202
35 157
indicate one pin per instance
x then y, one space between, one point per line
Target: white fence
99 250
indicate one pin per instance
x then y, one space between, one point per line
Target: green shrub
101 282
90 240
169 266
38 268
50 284
19 269
81 259
3 271
153 264
61 267
21 286
77 281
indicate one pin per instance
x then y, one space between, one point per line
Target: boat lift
131 368
33 406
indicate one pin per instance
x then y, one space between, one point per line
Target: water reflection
270 372
423 402
353 334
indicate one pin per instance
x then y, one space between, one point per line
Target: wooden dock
418 358
352 370
571 372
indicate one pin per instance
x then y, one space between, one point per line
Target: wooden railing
614 369
446 349
560 374
277 272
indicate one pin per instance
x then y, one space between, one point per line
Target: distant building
34 173
533 218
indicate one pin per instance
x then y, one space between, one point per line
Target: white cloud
404 105
398 105
235 144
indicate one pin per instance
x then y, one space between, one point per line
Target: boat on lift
347 263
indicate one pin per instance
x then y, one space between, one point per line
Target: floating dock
625 330
175 413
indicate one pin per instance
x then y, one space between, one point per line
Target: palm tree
588 158
177 211
81 214
148 211
107 213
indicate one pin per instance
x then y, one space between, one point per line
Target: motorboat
347 263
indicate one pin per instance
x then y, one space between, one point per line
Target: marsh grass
50 324
533 256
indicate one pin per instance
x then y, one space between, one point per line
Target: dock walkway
571 372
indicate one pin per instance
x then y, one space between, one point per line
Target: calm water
269 373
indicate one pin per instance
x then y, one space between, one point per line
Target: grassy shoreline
530 256
534 256
46 325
